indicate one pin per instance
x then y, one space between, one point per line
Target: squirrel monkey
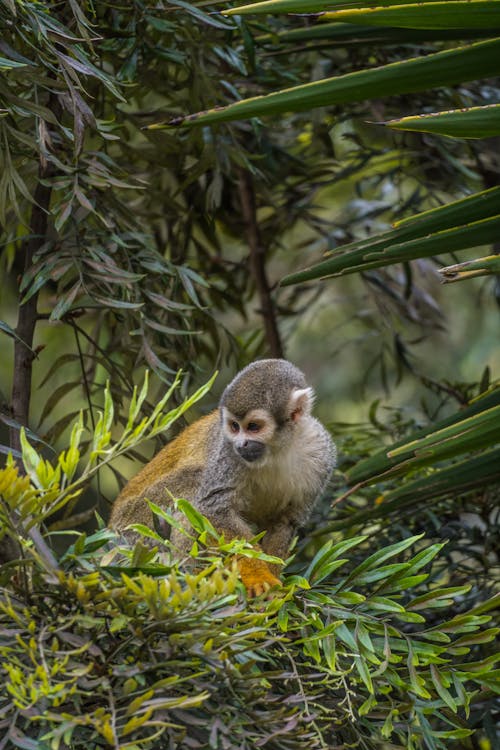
257 463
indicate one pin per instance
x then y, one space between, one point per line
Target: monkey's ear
300 403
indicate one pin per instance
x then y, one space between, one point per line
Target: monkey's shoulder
312 452
190 446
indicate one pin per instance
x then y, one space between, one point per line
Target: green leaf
491 681
379 574
368 470
437 15
374 560
484 636
5 327
383 604
355 34
147 532
195 518
31 459
417 682
109 408
6 64
166 516
328 644
441 688
490 265
489 604
348 598
417 74
475 432
461 237
345 635
207 18
467 211
69 460
425 556
479 471
65 302
82 64
325 560
362 637
364 673
453 734
438 597
472 122
134 406
317 6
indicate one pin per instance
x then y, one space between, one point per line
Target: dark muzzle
251 450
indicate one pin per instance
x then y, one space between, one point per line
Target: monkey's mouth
251 450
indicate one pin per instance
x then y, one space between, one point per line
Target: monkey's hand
256 576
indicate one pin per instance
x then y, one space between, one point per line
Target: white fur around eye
264 419
227 421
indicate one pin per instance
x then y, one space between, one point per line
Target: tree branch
23 354
258 262
27 316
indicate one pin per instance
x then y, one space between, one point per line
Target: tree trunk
258 263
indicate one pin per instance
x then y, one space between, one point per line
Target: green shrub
112 646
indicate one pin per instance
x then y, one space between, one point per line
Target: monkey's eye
234 427
253 427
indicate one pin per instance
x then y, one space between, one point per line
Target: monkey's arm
277 540
220 503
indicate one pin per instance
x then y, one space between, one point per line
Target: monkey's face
250 435
260 434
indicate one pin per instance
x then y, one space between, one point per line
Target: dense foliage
120 647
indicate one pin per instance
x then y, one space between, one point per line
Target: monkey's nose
251 450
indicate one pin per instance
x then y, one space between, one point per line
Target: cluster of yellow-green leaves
111 646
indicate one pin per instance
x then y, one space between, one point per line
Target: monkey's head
262 408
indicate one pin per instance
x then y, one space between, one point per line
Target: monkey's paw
256 576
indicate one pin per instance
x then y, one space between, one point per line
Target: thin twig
303 695
346 494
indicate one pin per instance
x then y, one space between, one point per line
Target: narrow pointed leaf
456 479
444 68
356 34
5 327
474 208
480 471
6 64
377 558
440 686
468 434
273 7
470 268
379 464
435 15
474 122
450 240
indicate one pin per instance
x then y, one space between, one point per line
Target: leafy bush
108 646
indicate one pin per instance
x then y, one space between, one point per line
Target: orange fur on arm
256 575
